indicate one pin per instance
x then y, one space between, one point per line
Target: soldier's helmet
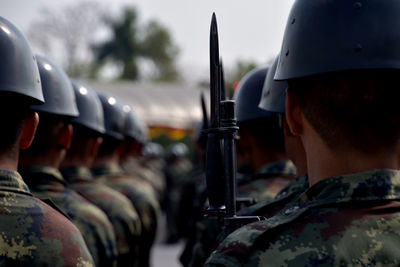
114 116
90 110
19 72
133 128
57 90
177 150
329 36
248 94
273 98
153 150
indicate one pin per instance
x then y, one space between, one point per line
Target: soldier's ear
294 113
65 136
28 133
94 148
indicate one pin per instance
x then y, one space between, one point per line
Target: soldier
176 171
135 139
88 128
260 142
39 164
341 61
32 233
273 100
106 168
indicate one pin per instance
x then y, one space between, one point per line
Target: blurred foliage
130 42
64 34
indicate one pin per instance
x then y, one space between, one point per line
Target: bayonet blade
214 73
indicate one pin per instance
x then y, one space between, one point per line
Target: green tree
131 43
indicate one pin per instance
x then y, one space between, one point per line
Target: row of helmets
46 87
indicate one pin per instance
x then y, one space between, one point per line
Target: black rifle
221 146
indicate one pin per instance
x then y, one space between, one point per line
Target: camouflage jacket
289 193
116 206
33 233
155 178
340 221
141 196
48 183
267 182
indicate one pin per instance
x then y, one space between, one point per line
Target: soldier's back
33 233
47 183
340 221
142 198
116 206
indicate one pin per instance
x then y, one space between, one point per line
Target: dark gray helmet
18 69
153 150
177 150
57 90
328 36
132 127
89 106
114 116
273 98
248 94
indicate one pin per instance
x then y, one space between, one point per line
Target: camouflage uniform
34 234
143 199
155 178
116 206
289 193
266 183
177 174
48 183
340 221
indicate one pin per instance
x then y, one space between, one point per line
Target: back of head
262 125
341 60
58 109
114 124
19 83
135 129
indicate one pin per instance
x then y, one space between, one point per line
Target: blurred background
153 54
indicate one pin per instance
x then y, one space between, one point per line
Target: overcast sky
248 30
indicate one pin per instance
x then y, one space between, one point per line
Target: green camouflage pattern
268 181
34 234
350 220
135 168
48 183
177 175
143 198
116 206
289 193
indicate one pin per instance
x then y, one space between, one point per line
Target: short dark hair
108 146
354 108
14 110
266 131
45 133
80 139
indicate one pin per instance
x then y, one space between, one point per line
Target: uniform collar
12 181
41 174
383 184
76 173
111 169
286 168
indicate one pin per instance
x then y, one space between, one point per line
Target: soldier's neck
103 160
323 162
47 159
